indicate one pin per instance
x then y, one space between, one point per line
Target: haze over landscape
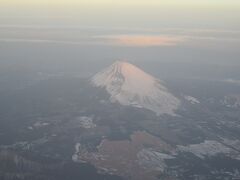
130 89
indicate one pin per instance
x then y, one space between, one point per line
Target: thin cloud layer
143 40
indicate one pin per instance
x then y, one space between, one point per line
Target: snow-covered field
209 148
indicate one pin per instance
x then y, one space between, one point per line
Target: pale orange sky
143 41
187 3
209 14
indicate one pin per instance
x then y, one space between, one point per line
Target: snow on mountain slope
129 85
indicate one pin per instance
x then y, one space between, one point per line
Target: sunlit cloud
143 40
119 37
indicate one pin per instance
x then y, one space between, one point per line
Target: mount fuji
131 86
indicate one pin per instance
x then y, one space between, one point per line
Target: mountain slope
129 85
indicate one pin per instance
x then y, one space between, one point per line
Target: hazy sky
127 2
192 31
213 14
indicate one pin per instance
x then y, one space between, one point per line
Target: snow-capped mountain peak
129 85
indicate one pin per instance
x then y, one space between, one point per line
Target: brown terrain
121 157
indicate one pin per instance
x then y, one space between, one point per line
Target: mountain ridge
131 86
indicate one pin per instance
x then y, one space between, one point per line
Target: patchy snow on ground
153 160
233 143
40 124
192 100
30 127
208 148
86 122
231 101
80 152
82 155
75 156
